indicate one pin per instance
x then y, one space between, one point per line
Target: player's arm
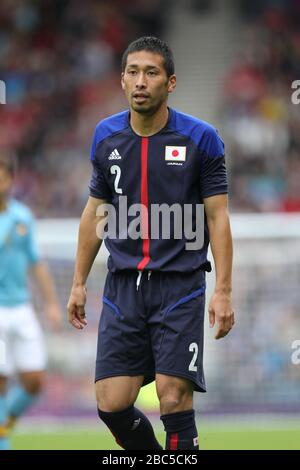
220 307
44 280
89 244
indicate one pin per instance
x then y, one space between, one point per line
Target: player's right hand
76 304
221 312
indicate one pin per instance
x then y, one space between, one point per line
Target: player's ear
172 83
122 81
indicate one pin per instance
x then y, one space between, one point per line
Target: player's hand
54 316
221 312
76 304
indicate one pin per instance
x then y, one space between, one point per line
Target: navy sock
131 429
181 430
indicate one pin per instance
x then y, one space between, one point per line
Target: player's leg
4 442
177 341
117 393
124 362
115 399
175 394
176 406
21 397
30 362
6 369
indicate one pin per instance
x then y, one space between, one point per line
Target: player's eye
152 73
131 72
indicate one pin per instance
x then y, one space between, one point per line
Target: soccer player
21 337
151 326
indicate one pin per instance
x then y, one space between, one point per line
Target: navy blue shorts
154 327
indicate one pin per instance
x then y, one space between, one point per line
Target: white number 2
116 170
193 348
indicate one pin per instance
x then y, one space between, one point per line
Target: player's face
5 183
145 82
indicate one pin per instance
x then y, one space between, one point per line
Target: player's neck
146 126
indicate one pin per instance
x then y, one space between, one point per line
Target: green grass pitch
211 438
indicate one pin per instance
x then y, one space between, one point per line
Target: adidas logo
114 155
135 424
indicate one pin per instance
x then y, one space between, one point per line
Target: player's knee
35 385
113 406
111 401
175 402
175 396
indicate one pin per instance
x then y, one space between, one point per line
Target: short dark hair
9 164
151 44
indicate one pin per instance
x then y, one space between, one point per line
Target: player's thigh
29 346
124 346
117 393
178 340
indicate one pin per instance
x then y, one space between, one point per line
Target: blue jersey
182 164
17 252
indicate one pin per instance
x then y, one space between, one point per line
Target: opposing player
151 326
21 338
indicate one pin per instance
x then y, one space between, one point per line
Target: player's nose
140 81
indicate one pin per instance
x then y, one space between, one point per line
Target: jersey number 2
116 170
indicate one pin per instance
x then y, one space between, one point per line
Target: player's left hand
54 316
221 312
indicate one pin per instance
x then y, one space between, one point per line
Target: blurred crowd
60 60
262 123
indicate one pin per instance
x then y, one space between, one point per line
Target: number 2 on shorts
193 348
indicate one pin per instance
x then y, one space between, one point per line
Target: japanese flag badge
175 154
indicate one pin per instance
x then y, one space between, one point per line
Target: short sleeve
98 184
213 177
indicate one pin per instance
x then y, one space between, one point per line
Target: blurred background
235 62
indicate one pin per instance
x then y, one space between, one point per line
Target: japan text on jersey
182 164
